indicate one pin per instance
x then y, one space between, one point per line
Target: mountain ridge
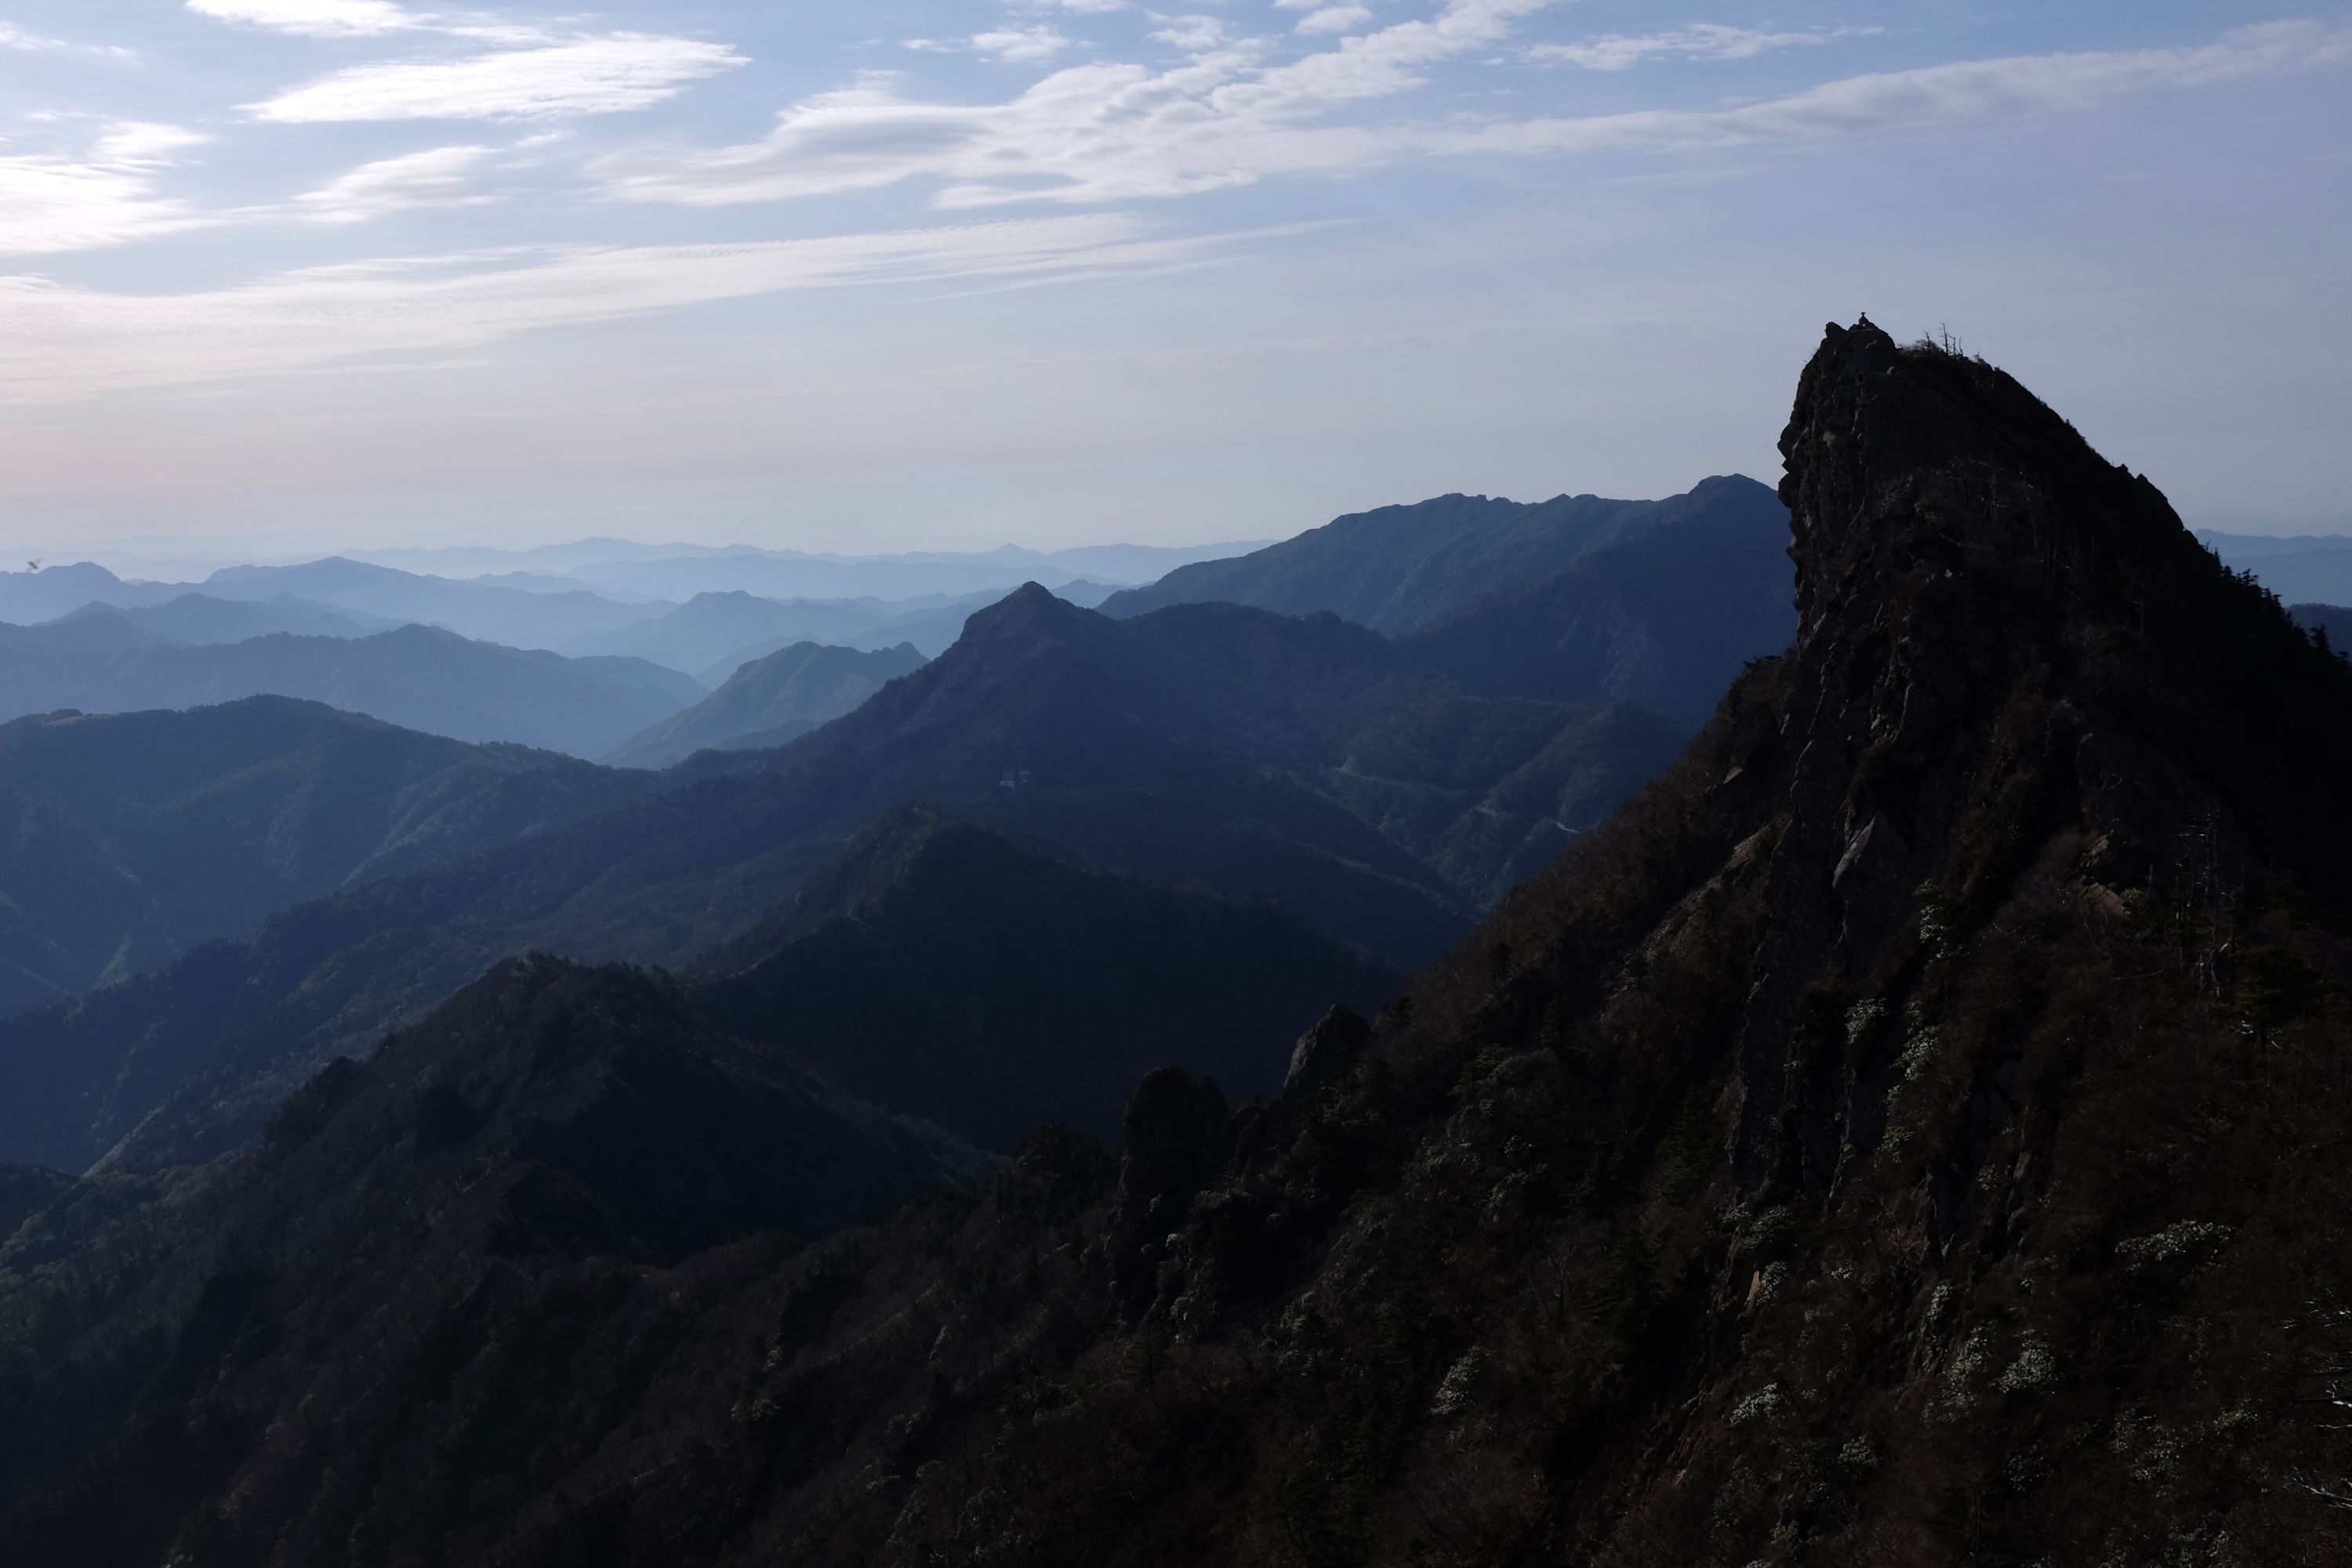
990 987
769 702
1399 569
131 839
420 678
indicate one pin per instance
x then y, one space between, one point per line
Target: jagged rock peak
1885 435
2003 637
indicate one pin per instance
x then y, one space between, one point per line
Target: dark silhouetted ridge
987 986
474 1200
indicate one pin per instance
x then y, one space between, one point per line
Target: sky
279 277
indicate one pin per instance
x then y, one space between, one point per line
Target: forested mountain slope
1402 566
419 678
127 841
1650 604
545 1149
769 702
1662 618
989 986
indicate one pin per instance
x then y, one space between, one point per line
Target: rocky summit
1911 1130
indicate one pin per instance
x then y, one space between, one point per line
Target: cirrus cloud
62 343
607 75
436 177
312 18
1100 132
100 195
1699 41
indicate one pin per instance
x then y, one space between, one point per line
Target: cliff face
1910 1131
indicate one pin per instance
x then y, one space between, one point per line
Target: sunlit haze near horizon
279 278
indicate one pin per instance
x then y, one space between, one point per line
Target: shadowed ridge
1664 617
555 1144
989 985
879 860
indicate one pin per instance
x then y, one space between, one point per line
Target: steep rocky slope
1910 1131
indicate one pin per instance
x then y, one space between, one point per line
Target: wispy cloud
312 18
1699 41
588 76
439 177
1014 45
363 19
1093 132
1191 33
1897 101
1225 117
59 343
100 195
1321 18
1021 45
14 38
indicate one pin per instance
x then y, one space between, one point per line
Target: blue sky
280 275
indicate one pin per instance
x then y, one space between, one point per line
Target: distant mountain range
681 572
200 619
597 585
1380 789
373 596
420 678
2312 568
713 635
769 702
1246 754
514 616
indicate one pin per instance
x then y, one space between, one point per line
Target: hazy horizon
284 278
